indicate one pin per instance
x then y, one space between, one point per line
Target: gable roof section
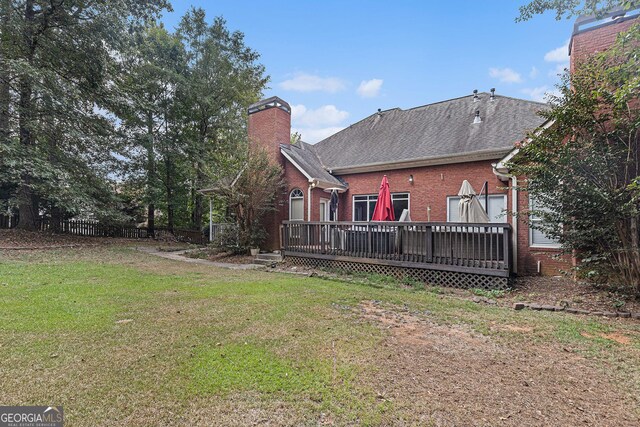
305 159
437 133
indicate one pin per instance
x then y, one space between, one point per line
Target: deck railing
470 247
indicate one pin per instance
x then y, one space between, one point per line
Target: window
363 206
296 205
537 237
400 203
497 207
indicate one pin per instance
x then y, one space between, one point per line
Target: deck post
429 244
506 248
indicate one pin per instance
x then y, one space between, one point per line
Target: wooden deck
483 249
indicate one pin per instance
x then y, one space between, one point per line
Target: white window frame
296 197
533 218
481 199
353 203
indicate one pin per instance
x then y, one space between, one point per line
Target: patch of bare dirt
563 291
613 336
452 376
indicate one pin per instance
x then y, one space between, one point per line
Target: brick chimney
592 35
270 126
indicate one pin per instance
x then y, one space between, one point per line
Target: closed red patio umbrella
384 206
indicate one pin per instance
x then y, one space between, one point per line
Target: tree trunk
151 175
198 198
5 94
26 203
56 219
151 220
197 209
169 191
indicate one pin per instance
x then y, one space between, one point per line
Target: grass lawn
120 337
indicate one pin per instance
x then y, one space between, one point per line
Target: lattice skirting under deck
452 279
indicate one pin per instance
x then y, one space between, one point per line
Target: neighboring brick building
426 152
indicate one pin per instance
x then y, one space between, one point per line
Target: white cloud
302 82
558 70
533 73
327 115
312 136
559 54
316 124
298 111
505 75
540 93
369 88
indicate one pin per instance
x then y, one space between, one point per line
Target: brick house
426 152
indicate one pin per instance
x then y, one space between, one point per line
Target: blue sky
337 62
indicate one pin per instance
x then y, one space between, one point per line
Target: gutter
425 161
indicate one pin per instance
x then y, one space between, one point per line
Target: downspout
312 185
514 223
505 177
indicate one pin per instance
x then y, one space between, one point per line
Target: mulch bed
563 291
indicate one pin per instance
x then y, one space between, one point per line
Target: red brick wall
295 179
528 257
430 188
596 40
268 129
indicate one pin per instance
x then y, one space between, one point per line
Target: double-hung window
296 205
537 238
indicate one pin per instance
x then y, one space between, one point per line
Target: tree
250 193
572 8
58 59
583 171
150 113
224 77
295 138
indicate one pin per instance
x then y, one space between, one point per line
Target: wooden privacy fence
463 247
7 221
91 228
183 235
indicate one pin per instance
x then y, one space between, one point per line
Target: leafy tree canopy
583 171
572 8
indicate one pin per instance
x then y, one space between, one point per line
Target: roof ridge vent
477 119
493 94
475 95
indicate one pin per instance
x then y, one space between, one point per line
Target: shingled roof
443 130
305 158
